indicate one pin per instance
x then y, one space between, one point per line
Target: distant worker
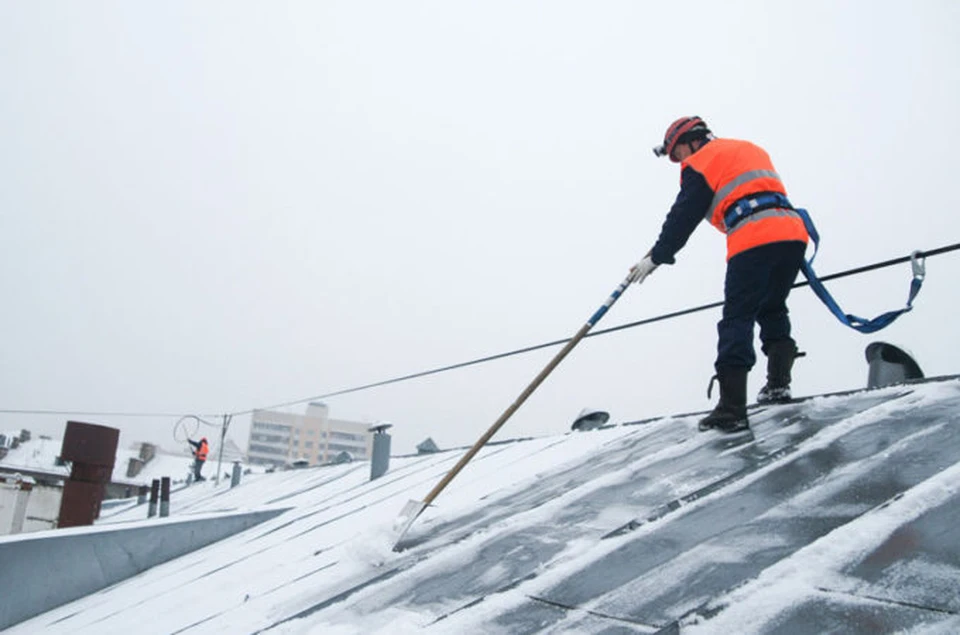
733 185
200 451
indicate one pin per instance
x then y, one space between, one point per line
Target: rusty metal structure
92 450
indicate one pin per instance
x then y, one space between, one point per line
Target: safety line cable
107 413
665 316
489 358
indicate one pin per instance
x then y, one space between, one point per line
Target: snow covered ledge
42 570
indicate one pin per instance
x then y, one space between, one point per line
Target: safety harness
748 206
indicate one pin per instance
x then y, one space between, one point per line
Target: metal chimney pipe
154 498
235 475
164 497
380 455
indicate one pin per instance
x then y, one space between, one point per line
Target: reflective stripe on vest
728 189
758 216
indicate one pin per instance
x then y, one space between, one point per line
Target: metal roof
838 515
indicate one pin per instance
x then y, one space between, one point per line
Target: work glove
642 269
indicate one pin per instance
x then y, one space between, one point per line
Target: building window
266 449
345 436
340 447
260 425
269 438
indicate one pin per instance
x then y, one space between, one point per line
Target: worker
200 451
733 185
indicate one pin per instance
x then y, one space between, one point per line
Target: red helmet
677 130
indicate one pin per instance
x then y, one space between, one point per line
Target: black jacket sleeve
688 210
195 444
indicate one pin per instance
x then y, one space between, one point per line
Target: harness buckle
919 263
752 204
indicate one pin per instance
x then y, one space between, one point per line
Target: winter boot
780 356
730 415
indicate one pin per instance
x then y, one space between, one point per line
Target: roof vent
590 419
427 446
890 365
342 457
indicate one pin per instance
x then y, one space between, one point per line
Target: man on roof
733 185
200 451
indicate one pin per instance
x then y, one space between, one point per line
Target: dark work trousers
755 290
197 466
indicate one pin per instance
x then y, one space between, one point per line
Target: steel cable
612 329
490 358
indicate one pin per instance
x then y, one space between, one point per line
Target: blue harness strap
753 204
756 203
858 323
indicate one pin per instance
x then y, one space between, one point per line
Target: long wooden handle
527 392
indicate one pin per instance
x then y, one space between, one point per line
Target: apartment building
280 438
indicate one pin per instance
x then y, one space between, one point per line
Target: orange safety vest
734 170
201 452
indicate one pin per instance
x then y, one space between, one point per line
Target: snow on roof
40 453
840 515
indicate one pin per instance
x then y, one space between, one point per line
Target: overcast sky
209 207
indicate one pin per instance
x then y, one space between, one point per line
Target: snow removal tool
412 510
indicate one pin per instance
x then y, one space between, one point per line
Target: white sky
211 207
